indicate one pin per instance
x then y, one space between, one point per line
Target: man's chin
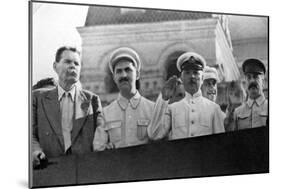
254 94
72 80
212 97
124 87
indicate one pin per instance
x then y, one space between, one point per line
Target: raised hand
169 88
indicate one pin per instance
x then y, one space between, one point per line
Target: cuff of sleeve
36 152
161 99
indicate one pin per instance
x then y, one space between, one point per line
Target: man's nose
212 86
192 75
251 80
123 74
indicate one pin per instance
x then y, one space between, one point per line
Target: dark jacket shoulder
43 91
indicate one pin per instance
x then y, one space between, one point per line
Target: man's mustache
253 85
193 81
123 79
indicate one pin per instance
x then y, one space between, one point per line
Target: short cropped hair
64 48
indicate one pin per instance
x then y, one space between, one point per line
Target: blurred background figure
236 95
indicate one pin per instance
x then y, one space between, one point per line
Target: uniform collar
134 101
259 101
189 96
72 92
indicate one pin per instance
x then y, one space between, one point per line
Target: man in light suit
63 119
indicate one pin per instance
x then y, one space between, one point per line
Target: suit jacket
46 122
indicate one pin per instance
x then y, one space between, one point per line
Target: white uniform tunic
192 116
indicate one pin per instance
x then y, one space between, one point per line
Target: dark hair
44 82
64 48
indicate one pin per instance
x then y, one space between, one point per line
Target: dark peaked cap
253 65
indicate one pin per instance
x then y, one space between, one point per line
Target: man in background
210 85
236 95
210 81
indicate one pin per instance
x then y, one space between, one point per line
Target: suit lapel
52 111
83 109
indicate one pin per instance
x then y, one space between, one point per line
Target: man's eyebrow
123 68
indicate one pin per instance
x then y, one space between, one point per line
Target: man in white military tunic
125 119
254 112
194 115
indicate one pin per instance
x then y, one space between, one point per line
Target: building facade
159 37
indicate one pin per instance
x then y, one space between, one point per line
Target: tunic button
192 122
191 134
192 110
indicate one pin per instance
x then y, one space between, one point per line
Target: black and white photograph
129 94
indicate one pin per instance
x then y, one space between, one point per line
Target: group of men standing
67 119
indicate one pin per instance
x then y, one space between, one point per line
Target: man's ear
138 74
263 81
114 78
181 76
55 67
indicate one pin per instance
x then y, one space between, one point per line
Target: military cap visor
253 66
192 65
190 61
123 57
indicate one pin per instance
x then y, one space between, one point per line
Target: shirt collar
61 91
259 101
134 101
189 96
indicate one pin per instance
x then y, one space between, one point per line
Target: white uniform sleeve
101 135
161 120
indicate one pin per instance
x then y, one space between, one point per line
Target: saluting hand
169 88
179 92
